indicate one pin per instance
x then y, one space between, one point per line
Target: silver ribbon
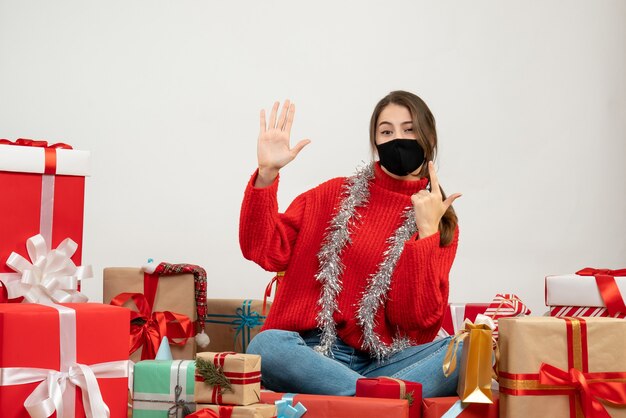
181 407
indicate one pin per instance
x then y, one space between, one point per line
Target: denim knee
273 345
268 343
265 340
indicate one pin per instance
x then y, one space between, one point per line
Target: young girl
366 259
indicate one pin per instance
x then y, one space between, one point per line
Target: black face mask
401 156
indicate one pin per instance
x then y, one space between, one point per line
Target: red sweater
290 242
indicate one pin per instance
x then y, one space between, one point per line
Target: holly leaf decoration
213 375
409 397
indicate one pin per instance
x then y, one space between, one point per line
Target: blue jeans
289 364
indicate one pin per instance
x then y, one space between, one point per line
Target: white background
530 101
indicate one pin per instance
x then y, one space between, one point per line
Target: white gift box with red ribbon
588 292
577 290
36 159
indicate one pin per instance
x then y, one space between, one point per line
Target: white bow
50 276
484 320
48 395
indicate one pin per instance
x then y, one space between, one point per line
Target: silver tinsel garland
356 194
378 287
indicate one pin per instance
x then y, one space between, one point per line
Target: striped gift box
584 311
505 305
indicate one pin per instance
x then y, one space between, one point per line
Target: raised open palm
273 148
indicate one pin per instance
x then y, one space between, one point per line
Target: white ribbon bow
48 395
484 320
50 276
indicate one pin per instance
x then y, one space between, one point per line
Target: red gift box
385 387
457 313
44 189
438 407
40 342
323 406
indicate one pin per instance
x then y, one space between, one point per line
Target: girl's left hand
430 206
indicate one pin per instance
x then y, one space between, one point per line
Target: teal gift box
163 388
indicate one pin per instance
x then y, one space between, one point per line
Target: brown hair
425 130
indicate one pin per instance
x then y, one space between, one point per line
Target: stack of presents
157 347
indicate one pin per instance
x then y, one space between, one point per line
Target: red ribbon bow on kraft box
579 363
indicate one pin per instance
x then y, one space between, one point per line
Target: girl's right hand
273 148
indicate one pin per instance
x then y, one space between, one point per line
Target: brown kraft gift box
242 372
552 367
174 293
232 323
257 410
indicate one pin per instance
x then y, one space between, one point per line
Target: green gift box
163 388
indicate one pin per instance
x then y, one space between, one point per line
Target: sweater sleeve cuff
260 199
271 188
423 246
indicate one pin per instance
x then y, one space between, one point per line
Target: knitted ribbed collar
407 187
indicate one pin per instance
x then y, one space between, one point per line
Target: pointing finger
434 181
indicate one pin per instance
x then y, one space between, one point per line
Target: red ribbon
154 326
578 384
204 413
268 289
34 143
590 271
605 279
150 284
238 378
50 166
219 360
224 412
589 391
